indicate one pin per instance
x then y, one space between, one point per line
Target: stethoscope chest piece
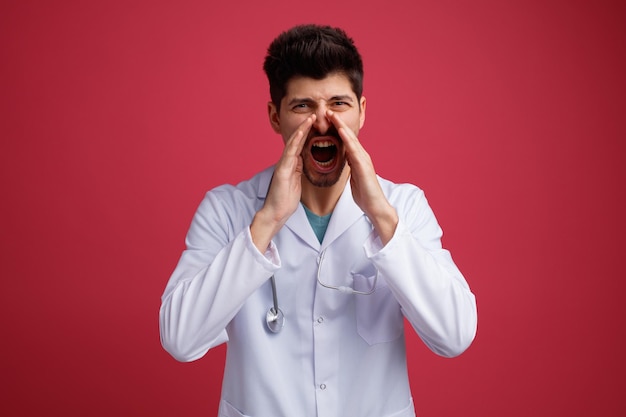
275 320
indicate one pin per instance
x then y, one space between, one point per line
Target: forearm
263 229
431 291
196 309
384 220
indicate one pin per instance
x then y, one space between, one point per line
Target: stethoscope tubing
275 319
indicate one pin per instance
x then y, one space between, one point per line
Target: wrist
263 229
385 222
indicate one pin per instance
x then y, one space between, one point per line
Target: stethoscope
275 318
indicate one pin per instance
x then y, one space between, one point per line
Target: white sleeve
429 287
211 282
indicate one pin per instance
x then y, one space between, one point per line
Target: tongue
323 154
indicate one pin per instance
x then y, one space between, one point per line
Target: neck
322 200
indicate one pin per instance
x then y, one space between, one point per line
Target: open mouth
324 152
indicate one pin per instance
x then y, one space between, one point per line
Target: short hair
313 51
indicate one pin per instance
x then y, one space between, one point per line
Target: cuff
270 258
373 245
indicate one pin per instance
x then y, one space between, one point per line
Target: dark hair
311 51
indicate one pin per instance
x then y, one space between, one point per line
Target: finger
347 134
351 141
356 155
295 143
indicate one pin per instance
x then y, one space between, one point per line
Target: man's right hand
285 189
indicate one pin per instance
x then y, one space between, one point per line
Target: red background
117 116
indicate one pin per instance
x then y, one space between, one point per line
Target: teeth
325 164
324 149
323 144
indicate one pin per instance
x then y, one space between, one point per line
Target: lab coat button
320 319
323 386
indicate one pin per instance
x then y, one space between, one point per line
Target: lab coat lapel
345 214
298 222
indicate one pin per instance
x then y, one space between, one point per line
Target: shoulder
228 208
399 192
246 192
410 202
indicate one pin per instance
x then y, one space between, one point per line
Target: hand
285 189
366 190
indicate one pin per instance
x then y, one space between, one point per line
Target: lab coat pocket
378 315
227 410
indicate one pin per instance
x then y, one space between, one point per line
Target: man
308 269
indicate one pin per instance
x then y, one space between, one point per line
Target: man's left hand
366 190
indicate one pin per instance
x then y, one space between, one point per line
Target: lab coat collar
265 177
346 212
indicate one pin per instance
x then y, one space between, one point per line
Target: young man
308 269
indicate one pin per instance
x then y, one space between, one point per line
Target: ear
363 102
272 112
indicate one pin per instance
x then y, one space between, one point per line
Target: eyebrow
297 100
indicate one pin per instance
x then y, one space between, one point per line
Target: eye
300 107
340 104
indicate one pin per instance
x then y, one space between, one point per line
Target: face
323 155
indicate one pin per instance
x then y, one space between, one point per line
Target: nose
321 123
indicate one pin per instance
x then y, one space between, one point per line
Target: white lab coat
338 355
